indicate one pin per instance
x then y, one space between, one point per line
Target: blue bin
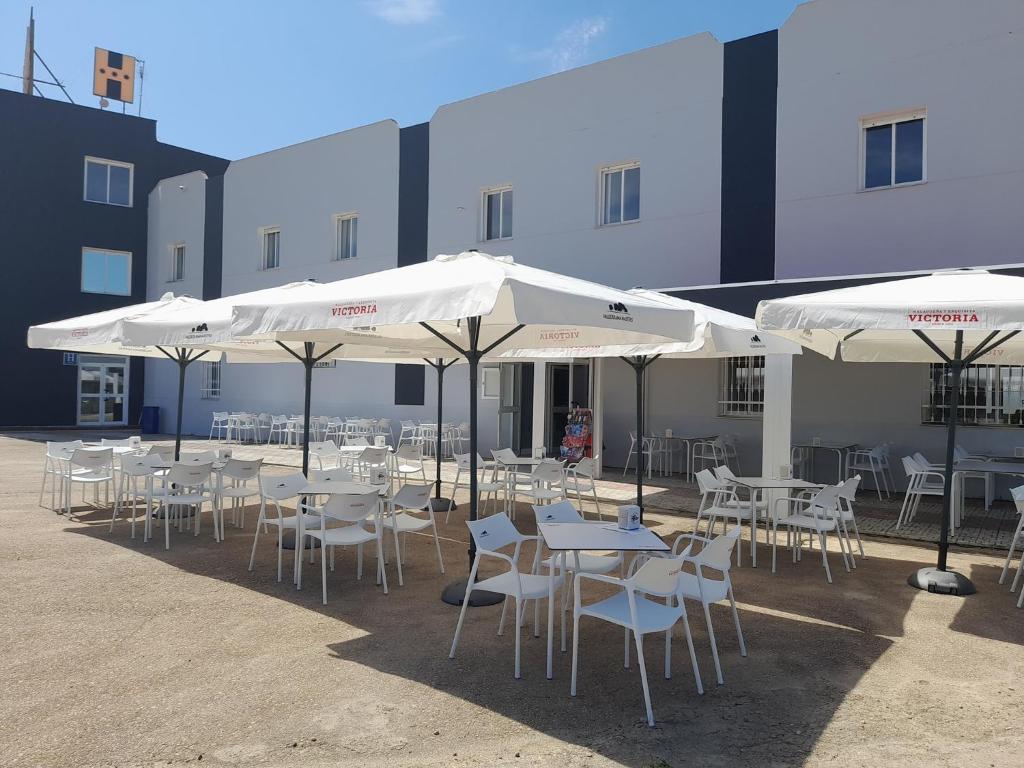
150 420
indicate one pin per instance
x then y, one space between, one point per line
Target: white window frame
264 231
211 385
892 118
997 409
603 171
484 194
338 219
730 402
175 276
490 382
104 161
106 252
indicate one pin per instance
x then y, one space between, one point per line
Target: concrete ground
118 653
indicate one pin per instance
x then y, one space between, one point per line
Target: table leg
560 610
551 613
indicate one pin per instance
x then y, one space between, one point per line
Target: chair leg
643 677
736 619
1009 555
693 653
323 574
465 605
575 651
504 610
398 556
824 557
714 644
519 634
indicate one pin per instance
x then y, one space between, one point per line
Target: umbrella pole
439 503
639 368
307 363
940 579
183 362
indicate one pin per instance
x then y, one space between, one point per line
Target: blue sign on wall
70 358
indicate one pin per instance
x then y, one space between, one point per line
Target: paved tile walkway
990 529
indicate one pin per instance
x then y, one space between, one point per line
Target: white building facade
863 138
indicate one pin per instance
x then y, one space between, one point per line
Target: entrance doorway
102 391
515 408
568 387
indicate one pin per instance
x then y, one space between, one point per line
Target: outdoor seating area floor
118 653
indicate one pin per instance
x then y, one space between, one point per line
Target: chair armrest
691 537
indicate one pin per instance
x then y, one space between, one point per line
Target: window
108 181
990 395
893 150
211 381
490 382
270 257
177 263
620 194
106 271
498 214
345 232
742 386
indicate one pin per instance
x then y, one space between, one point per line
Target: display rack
579 435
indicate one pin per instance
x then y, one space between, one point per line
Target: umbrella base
455 592
441 504
288 541
941 582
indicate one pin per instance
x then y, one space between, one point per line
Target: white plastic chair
326 454
57 456
408 461
870 460
490 487
719 502
490 535
1017 539
408 433
278 426
134 469
353 511
581 478
817 516
238 473
403 518
274 491
631 453
219 424
708 453
846 495
372 462
89 467
920 482
185 485
546 484
633 608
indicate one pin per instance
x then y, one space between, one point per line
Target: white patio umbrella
956 317
100 334
470 303
717 333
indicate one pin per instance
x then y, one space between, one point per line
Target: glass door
568 387
515 407
102 392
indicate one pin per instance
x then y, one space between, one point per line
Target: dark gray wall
749 100
213 238
413 191
46 223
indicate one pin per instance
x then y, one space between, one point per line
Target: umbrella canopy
472 304
884 322
956 317
540 308
101 333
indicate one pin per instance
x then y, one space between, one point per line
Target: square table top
831 446
601 536
993 467
767 483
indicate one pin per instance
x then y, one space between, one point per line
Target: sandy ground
117 653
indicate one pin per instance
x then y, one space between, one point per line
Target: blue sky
237 78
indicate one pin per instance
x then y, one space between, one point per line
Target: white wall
841 60
550 137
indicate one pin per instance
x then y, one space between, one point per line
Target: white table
839 449
561 538
688 443
973 466
756 485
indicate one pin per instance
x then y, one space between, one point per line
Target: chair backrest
62 450
323 448
351 508
562 512
494 532
189 475
1018 498
166 452
139 466
707 482
505 455
585 467
921 460
462 461
356 441
373 455
724 474
106 442
826 499
548 471
220 415
410 452
659 575
848 488
242 469
93 458
717 553
413 497
281 487
197 457
910 466
337 475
